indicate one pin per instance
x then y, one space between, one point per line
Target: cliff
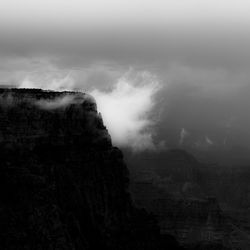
62 183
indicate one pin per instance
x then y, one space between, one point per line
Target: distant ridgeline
62 183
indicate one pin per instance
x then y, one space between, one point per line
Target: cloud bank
126 105
126 111
48 81
62 102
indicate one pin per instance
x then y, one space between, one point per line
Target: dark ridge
62 183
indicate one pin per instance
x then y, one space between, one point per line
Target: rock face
62 183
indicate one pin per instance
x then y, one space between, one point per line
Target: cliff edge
62 183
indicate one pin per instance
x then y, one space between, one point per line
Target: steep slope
62 183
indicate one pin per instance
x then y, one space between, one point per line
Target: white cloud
126 110
48 81
126 106
59 102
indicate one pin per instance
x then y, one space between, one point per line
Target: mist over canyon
124 124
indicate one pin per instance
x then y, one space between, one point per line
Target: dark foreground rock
62 183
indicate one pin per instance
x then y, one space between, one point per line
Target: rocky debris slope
62 183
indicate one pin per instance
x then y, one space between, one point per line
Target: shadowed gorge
198 203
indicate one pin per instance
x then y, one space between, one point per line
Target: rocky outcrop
62 183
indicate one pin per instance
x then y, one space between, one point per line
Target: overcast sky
196 50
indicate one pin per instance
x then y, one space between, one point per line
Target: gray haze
196 51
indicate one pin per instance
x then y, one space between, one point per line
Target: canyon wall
62 183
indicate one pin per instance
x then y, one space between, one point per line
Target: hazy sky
196 50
